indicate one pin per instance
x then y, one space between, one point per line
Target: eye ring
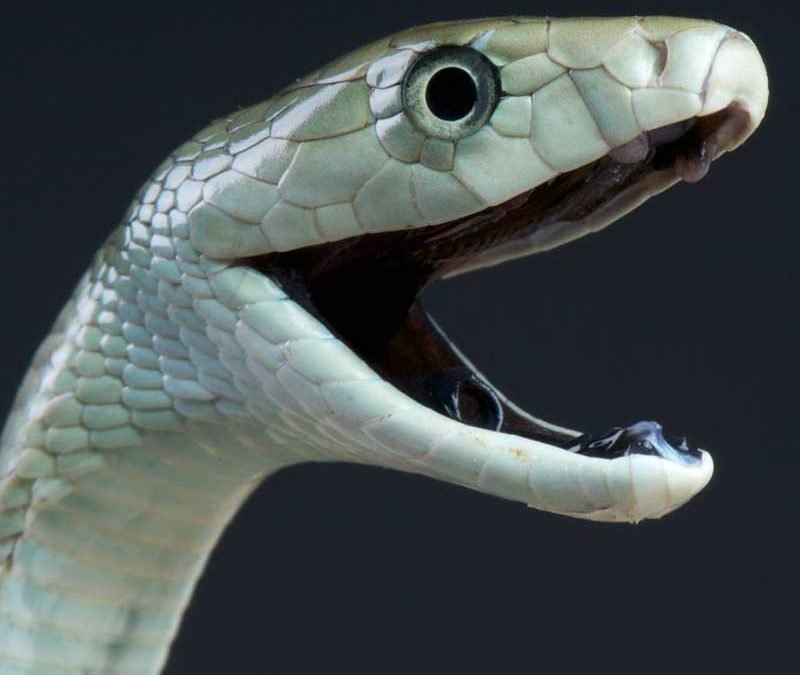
450 93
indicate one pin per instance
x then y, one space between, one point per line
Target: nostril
662 58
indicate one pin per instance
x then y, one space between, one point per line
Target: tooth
635 150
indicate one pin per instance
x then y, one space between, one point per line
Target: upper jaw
720 98
674 70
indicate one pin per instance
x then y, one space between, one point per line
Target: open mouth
366 288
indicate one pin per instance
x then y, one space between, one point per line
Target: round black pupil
451 94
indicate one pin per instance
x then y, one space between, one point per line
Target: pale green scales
175 381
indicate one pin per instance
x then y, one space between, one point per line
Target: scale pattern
176 380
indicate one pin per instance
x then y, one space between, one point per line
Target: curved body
181 374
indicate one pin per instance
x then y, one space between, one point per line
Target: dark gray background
685 313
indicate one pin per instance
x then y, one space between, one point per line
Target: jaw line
380 275
687 158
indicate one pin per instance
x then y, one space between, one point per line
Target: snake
259 306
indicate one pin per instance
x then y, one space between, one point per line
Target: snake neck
111 499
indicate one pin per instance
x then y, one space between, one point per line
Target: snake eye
451 92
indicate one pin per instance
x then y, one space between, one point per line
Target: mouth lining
366 288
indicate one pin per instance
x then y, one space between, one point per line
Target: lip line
366 288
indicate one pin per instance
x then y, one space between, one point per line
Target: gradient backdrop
684 313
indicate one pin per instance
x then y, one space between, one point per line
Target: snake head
303 230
